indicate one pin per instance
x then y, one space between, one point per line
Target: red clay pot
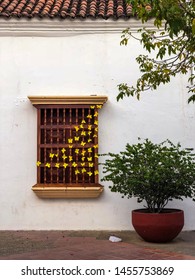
158 227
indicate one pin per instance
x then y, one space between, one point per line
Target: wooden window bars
67 146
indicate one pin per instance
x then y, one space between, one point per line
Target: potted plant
155 174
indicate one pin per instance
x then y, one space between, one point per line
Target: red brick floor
66 245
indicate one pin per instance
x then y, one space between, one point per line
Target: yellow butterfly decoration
76 151
70 158
70 140
96 172
89 133
95 146
91 164
56 155
92 107
83 143
89 140
82 163
83 121
83 152
83 170
81 126
96 156
38 163
76 128
57 165
74 164
89 116
96 122
95 135
96 129
89 158
65 165
48 165
76 138
63 150
51 155
83 158
89 126
99 106
70 146
89 150
90 173
96 114
83 133
77 171
64 156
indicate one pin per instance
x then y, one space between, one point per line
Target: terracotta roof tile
65 8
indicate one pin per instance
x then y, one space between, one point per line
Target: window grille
67 143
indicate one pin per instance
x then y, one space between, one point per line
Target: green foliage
174 47
154 173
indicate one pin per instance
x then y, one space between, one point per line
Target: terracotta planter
158 227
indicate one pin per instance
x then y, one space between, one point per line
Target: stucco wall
80 64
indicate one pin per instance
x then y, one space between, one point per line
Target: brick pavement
91 245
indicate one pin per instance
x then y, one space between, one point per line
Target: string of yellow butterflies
81 167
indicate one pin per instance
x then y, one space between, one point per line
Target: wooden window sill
68 190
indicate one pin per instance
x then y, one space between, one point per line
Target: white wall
79 64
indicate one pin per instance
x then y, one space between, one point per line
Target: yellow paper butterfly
83 152
90 173
83 121
65 165
83 133
74 164
76 151
96 156
81 126
70 158
99 106
89 158
76 138
95 146
70 146
89 116
63 150
51 155
57 165
83 170
89 150
96 122
91 164
89 126
96 129
70 140
95 135
64 156
77 171
89 140
56 155
89 133
76 128
82 163
83 158
83 143
92 107
96 172
96 114
48 165
38 163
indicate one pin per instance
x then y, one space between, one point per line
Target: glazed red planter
158 227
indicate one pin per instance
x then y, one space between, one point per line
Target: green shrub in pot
154 173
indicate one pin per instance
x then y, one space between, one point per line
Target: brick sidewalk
91 245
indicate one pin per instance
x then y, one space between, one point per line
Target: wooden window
67 146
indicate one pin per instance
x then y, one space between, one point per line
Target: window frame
71 189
